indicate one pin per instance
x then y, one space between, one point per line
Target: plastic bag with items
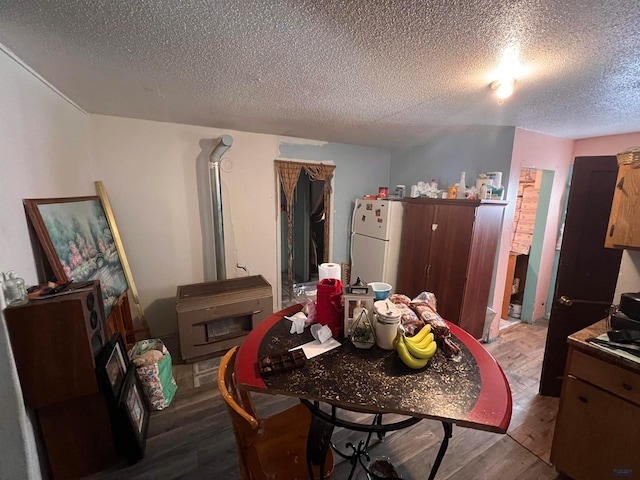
154 368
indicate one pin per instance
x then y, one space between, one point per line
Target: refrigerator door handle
353 216
351 249
427 269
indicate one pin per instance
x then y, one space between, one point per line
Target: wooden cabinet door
597 434
624 222
416 241
451 233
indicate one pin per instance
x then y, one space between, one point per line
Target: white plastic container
387 318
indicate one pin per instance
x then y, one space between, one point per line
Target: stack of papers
315 348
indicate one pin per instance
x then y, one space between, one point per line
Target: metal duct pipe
216 202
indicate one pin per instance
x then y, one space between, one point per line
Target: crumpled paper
297 322
321 333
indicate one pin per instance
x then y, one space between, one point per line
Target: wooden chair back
267 447
245 425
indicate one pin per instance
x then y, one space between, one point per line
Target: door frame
278 219
536 252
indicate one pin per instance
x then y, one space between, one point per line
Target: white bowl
381 290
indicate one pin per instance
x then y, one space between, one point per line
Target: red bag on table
329 305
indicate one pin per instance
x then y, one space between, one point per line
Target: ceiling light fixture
503 87
503 78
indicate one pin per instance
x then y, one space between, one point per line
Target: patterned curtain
288 173
324 173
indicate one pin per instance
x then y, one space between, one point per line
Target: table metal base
323 423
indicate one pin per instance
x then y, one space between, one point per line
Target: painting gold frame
78 244
102 193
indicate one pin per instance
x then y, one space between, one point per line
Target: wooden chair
273 447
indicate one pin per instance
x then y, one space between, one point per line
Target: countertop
579 340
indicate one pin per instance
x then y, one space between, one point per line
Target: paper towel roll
329 270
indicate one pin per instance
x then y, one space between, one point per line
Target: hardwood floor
193 438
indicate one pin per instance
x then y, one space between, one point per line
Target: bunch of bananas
416 351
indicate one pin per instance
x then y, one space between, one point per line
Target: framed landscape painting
78 244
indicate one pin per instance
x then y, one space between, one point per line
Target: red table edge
492 409
246 372
494 404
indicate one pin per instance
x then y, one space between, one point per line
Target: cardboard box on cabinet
520 248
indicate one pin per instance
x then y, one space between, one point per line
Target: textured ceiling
385 73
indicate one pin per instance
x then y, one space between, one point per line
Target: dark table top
472 392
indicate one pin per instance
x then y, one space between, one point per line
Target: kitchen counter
597 432
578 340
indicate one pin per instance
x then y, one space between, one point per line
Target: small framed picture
112 365
135 412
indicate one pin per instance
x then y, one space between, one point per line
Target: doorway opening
521 299
308 230
304 193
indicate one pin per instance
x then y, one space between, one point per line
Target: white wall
531 149
44 152
156 178
629 276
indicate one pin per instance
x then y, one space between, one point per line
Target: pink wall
544 152
531 149
609 145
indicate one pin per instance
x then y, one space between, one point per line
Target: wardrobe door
416 238
451 233
486 233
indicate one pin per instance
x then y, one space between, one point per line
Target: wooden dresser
597 433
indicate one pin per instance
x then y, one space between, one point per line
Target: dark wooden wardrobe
449 248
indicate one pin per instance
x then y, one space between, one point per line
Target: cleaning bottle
462 187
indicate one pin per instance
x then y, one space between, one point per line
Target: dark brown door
449 257
587 271
416 242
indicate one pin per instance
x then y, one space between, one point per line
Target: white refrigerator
376 231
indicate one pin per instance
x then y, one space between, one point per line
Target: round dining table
469 390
